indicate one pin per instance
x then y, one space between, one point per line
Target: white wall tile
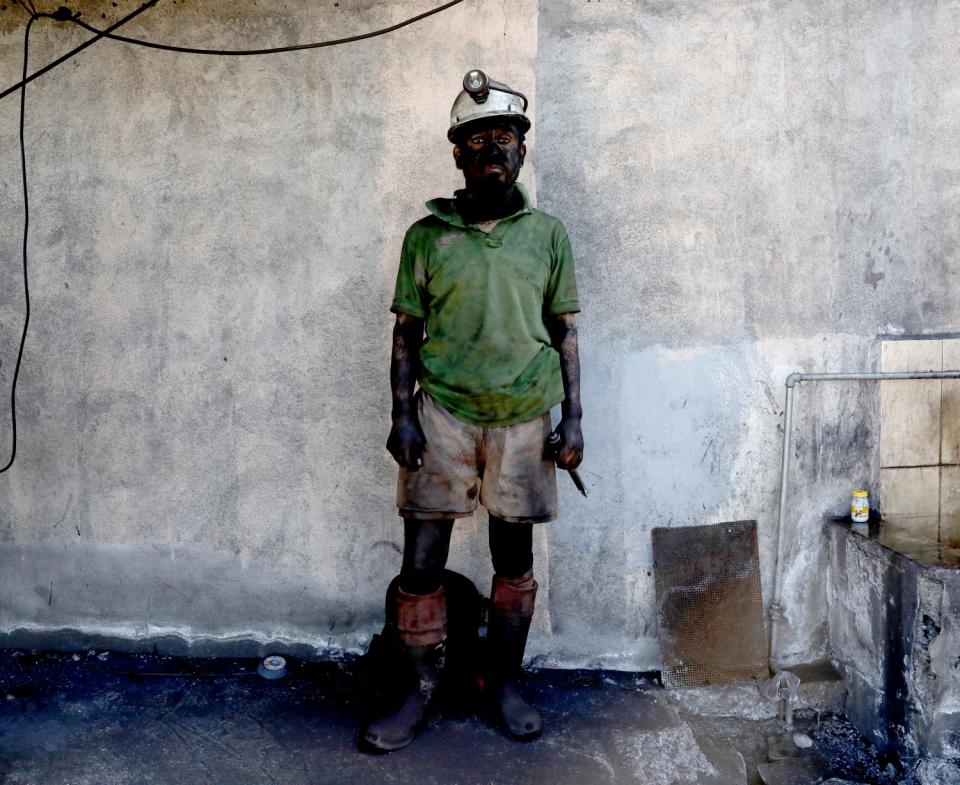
950 490
910 409
950 405
923 355
914 491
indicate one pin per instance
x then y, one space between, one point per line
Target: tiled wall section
950 405
950 490
920 430
910 491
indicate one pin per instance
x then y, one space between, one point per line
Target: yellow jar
860 507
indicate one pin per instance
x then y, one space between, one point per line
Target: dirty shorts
502 467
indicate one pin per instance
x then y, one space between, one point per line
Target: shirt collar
445 208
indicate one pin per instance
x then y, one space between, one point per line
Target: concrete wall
751 188
894 634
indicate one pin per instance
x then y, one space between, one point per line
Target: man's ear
456 156
523 152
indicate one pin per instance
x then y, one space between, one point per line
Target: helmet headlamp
477 84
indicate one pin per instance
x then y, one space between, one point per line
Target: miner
484 344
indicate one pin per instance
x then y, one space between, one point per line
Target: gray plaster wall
751 188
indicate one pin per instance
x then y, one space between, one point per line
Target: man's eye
504 140
477 141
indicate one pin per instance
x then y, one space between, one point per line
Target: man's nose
490 147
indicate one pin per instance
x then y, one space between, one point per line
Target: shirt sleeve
561 294
410 294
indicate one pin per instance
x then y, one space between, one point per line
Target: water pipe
793 379
784 690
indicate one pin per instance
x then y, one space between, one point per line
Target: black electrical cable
63 14
219 52
274 50
65 18
26 233
26 200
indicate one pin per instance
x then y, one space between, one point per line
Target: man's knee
425 549
512 564
511 547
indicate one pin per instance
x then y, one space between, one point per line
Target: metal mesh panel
709 606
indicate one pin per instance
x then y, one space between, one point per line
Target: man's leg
422 626
512 599
511 547
426 545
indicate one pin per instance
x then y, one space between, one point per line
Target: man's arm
406 441
563 336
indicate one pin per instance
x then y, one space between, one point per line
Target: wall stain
929 632
895 662
879 256
873 276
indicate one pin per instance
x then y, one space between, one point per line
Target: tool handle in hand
554 443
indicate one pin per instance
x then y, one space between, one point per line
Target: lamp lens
475 81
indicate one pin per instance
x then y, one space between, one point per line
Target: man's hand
570 451
406 442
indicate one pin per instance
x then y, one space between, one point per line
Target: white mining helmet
483 97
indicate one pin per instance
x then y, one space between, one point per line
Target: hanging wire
65 18
26 197
63 14
108 33
26 232
274 50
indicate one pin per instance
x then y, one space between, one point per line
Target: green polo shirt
486 355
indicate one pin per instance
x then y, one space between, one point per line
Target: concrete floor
126 719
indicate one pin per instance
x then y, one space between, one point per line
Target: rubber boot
507 629
419 708
422 628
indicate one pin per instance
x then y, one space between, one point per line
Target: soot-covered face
490 154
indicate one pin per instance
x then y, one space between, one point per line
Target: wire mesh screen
709 606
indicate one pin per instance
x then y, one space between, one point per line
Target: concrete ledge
178 644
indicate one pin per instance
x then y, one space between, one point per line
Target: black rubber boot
419 708
507 638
